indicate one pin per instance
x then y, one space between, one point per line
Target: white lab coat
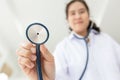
104 58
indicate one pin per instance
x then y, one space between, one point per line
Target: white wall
97 9
111 20
106 14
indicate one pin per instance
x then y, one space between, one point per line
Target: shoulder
102 34
106 38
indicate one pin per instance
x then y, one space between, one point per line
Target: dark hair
86 6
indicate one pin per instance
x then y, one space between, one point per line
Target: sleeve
61 67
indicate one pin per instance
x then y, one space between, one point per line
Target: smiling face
78 18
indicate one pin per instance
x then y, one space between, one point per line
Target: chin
78 31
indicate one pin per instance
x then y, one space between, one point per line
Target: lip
78 22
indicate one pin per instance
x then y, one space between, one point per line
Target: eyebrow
79 10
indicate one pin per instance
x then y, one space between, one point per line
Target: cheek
86 20
70 22
85 16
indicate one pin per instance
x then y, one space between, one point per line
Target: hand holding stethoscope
38 34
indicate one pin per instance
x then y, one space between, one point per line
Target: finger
29 46
21 65
25 62
26 53
33 50
26 45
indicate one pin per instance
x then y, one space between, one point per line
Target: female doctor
86 54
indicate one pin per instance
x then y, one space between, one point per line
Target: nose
78 15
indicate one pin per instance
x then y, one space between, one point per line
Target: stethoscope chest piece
37 33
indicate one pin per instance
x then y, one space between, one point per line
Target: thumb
46 54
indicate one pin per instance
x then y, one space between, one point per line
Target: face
78 18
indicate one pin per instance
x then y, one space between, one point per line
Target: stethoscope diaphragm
37 33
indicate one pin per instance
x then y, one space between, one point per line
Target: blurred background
16 15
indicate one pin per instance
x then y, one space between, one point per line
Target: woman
86 54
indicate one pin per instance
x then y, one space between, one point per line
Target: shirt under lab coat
104 58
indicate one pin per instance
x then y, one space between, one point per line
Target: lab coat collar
91 34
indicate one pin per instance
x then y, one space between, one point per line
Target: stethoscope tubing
38 61
87 57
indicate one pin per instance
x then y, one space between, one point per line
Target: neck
84 33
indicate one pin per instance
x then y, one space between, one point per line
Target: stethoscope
87 50
37 34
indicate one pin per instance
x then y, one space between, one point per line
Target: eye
72 13
81 11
